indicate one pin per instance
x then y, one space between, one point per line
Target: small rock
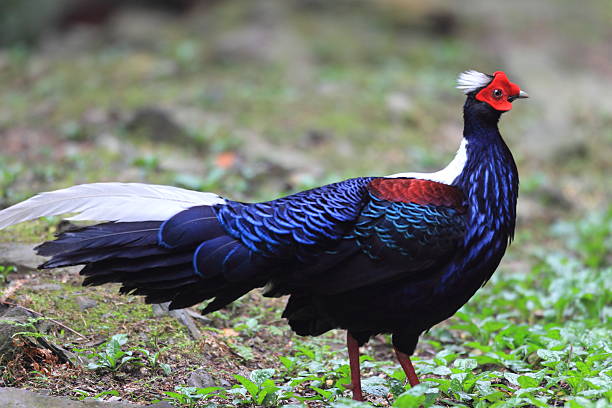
160 309
19 398
22 256
11 322
45 287
12 319
156 124
181 315
43 391
316 137
85 302
161 404
201 378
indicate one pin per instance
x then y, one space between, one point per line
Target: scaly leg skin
406 364
353 352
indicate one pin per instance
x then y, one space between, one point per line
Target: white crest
469 81
109 202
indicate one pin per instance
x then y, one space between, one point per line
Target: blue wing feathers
209 255
190 227
332 239
297 226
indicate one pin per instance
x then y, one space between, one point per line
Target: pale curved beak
521 95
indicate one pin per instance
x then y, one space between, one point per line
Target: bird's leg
406 364
353 352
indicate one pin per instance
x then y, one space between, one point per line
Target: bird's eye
497 93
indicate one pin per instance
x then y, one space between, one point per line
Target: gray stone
85 302
44 287
161 404
22 256
156 124
160 309
201 378
181 315
12 321
18 398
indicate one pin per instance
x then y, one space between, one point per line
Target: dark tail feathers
129 253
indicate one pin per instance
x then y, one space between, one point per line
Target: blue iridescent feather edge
306 221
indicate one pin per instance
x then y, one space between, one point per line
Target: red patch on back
424 192
498 91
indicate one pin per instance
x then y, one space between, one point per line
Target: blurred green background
254 99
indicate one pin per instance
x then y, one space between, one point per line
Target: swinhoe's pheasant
370 255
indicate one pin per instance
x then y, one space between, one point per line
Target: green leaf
94 366
465 364
512 378
250 386
422 395
105 393
398 374
243 351
167 370
307 352
527 382
173 394
208 390
259 376
442 370
375 386
287 362
550 355
267 396
409 401
326 394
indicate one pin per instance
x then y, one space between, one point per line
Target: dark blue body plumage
370 255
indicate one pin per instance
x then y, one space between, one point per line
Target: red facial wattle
499 93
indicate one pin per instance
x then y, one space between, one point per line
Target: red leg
406 364
353 352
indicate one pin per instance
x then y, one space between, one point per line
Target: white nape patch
469 81
109 202
448 174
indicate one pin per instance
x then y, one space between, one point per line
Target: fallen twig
12 288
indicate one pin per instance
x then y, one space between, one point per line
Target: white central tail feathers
121 202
